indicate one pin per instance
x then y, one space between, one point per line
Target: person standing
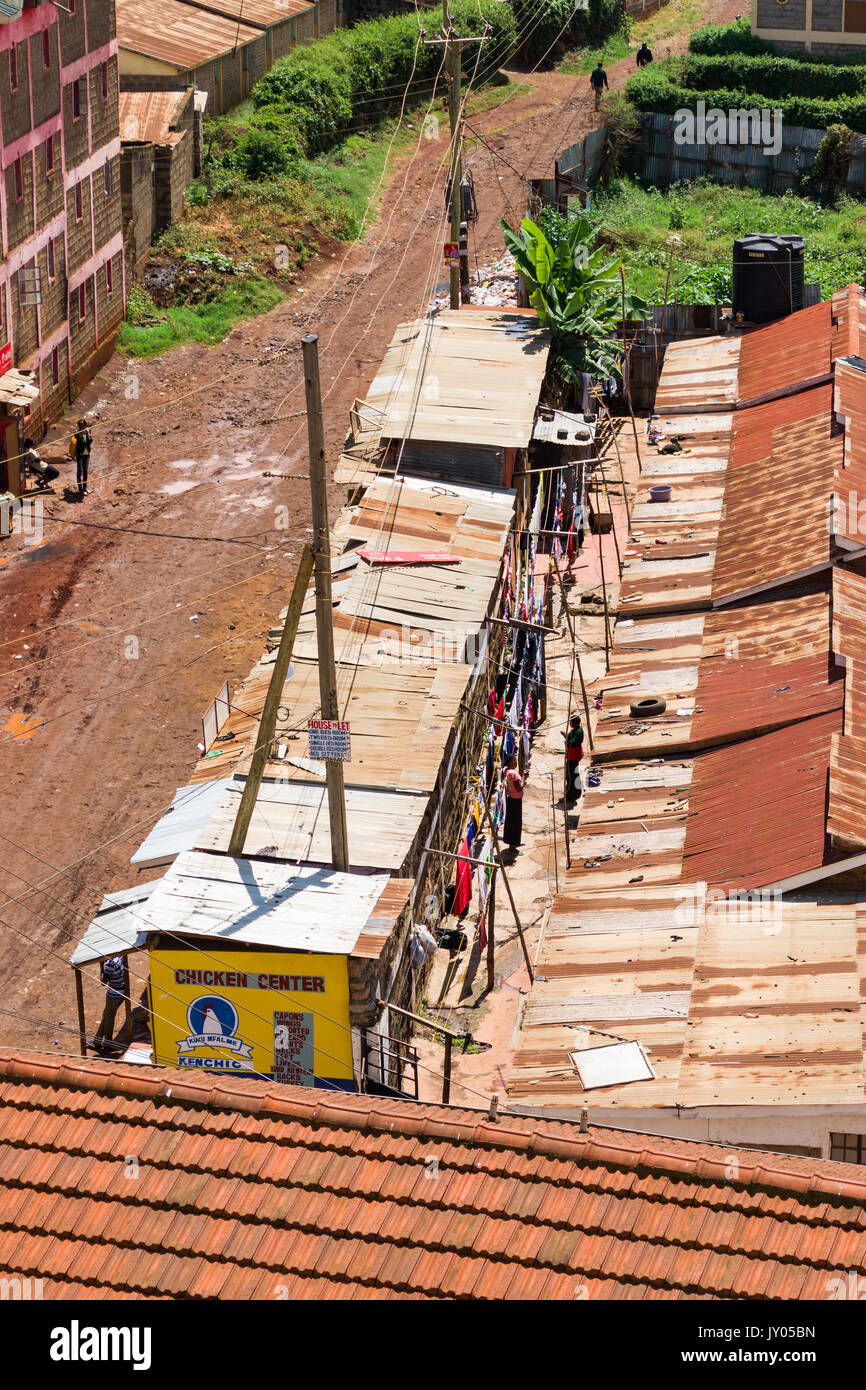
114 976
513 829
573 757
644 55
83 445
598 82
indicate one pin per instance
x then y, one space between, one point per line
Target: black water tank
768 277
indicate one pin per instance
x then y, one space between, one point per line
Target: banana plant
575 287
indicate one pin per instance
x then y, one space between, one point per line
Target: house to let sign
329 740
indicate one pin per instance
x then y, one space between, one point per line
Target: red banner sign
5 358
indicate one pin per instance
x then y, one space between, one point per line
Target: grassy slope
673 19
342 181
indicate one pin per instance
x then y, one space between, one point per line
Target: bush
262 154
659 91
719 39
772 77
549 25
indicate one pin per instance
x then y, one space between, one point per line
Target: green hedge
551 24
657 91
719 40
773 77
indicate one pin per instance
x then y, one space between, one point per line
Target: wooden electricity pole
324 603
273 699
453 71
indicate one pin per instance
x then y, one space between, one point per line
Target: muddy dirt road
119 627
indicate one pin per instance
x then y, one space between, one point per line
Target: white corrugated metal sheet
179 828
284 906
117 926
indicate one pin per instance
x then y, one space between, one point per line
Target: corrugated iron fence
660 159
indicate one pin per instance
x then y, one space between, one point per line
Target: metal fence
660 159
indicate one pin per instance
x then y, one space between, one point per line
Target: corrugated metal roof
176 33
264 12
462 377
280 906
150 116
190 811
778 494
786 354
117 926
18 388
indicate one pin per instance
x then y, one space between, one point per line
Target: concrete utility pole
324 604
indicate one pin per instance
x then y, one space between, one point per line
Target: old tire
647 707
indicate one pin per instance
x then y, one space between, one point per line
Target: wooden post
82 1022
268 722
612 521
127 1002
487 817
553 814
603 583
446 1070
621 470
575 653
491 933
625 375
452 68
464 251
324 602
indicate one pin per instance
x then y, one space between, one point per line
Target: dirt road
119 627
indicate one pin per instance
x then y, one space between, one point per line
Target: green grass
668 23
243 298
639 222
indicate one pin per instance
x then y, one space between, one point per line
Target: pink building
62 283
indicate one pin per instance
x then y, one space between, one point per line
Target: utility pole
453 71
324 605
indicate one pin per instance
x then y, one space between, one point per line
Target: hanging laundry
463 881
421 945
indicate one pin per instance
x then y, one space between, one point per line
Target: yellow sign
275 1014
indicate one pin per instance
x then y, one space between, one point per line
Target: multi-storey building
62 283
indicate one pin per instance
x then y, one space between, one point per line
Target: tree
577 292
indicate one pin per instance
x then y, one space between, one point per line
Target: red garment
463 881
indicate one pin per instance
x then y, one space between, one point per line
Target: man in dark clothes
598 82
83 445
114 976
644 55
573 756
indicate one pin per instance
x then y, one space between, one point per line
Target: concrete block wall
138 203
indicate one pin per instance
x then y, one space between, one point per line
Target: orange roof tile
520 1209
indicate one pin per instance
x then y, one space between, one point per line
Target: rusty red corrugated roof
247 1188
786 354
178 34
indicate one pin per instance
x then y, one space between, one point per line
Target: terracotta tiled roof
246 1187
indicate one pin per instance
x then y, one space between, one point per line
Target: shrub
262 154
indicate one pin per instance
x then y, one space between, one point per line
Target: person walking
644 55
114 976
598 82
83 445
513 829
573 757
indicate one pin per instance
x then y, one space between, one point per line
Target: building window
82 302
291 31
19 180
52 263
79 202
49 156
105 82
46 48
55 365
848 1148
13 67
76 98
70 5
108 177
216 72
109 276
267 40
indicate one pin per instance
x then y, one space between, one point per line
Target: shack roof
736 1003
462 377
177 33
151 117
